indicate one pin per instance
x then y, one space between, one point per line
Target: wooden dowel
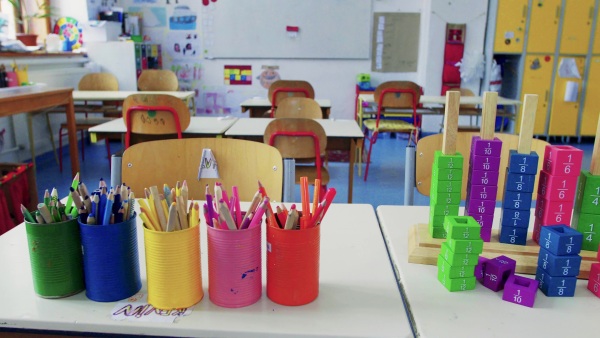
527 122
451 122
488 115
595 166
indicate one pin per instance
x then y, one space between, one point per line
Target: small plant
25 16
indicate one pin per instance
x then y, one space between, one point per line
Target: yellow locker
577 26
536 80
596 47
510 26
591 108
543 26
563 113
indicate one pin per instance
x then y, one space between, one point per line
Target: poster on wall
237 75
183 18
182 45
268 75
189 75
152 17
224 100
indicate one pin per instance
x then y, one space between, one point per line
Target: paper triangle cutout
208 165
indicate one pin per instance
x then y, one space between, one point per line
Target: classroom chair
157 80
281 89
391 98
239 162
428 145
151 117
298 107
303 140
109 111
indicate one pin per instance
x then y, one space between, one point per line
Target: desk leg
31 142
351 168
70 112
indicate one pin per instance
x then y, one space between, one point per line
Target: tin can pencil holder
293 265
55 257
173 268
234 266
111 263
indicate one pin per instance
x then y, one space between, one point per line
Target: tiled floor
384 186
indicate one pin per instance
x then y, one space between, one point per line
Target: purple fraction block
485 163
483 192
496 272
486 147
520 290
482 177
480 268
484 207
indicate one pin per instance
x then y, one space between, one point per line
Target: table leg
31 142
70 112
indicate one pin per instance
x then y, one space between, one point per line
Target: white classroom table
343 135
258 106
358 297
436 312
119 95
199 126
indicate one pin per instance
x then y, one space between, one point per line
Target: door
591 107
543 26
536 80
563 112
510 26
577 27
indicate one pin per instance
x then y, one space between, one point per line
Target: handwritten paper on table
395 42
136 308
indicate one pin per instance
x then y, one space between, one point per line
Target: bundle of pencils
291 219
168 211
50 211
222 212
103 206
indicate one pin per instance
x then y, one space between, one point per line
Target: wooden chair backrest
298 107
241 163
299 147
428 145
398 100
467 92
158 80
98 81
280 85
158 123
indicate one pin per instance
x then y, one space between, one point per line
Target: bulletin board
329 29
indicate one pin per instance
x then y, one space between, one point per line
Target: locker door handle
557 16
546 97
524 11
591 14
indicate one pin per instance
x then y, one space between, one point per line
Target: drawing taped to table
136 308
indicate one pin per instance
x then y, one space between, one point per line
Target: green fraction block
444 210
588 193
458 259
469 246
445 186
462 227
455 271
437 232
456 284
445 174
450 198
436 220
589 226
447 161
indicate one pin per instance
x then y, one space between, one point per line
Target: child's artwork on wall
152 17
268 76
237 75
182 45
182 18
144 1
189 75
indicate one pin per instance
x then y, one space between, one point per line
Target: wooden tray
423 249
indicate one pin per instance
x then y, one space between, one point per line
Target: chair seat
389 125
311 173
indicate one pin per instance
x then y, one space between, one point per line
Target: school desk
341 135
16 100
436 312
101 95
200 126
358 295
257 107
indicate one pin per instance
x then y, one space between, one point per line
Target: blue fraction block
561 266
520 182
515 218
513 235
522 163
561 240
517 200
556 286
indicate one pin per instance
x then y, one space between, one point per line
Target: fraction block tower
558 260
557 187
594 279
520 180
447 170
460 253
586 216
484 166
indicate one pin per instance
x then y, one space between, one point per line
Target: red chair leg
60 155
372 140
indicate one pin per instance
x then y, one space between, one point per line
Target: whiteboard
328 29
